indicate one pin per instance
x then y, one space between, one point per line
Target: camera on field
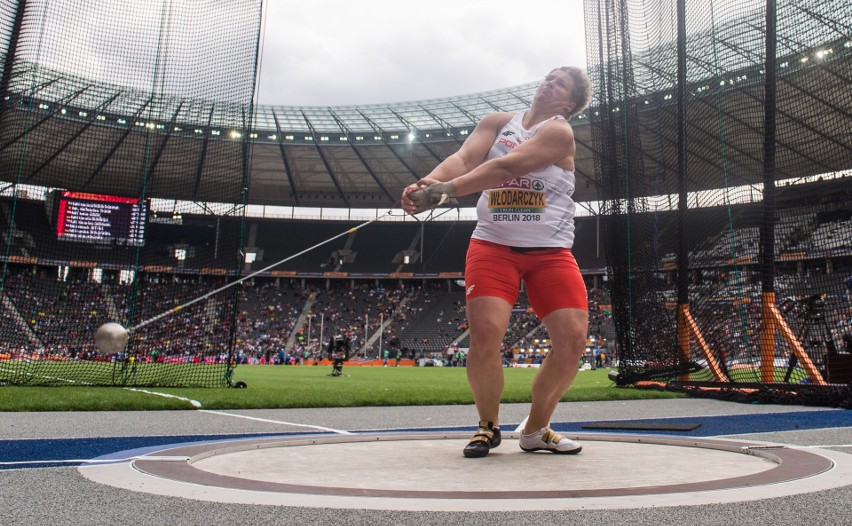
815 304
338 352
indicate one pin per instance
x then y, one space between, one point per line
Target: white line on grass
266 420
15 371
194 403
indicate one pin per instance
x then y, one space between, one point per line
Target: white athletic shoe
545 439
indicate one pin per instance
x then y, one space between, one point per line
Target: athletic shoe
487 437
545 439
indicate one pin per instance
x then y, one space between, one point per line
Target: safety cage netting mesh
121 125
723 138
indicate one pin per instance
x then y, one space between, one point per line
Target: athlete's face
557 89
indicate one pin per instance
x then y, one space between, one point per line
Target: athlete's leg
491 288
556 291
488 318
567 329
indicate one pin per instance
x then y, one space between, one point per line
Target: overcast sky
341 52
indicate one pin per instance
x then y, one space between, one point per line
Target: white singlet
535 210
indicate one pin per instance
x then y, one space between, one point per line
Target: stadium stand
189 161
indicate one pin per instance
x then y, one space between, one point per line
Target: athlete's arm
472 153
552 144
474 150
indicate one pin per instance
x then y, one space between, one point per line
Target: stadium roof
60 130
85 135
365 155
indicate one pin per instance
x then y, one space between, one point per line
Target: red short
552 277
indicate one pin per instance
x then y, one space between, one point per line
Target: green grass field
292 387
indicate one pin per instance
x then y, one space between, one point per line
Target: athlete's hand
405 202
427 195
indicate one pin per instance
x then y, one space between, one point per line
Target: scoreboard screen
102 219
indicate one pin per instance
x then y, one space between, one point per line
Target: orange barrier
648 384
773 320
364 363
688 329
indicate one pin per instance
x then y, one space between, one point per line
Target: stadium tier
748 303
713 177
91 101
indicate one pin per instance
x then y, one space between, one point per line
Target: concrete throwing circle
426 471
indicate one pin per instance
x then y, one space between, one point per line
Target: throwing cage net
121 125
723 138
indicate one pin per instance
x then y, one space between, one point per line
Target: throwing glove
433 196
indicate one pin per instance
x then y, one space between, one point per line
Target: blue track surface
742 424
39 453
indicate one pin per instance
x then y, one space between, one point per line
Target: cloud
317 52
335 52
